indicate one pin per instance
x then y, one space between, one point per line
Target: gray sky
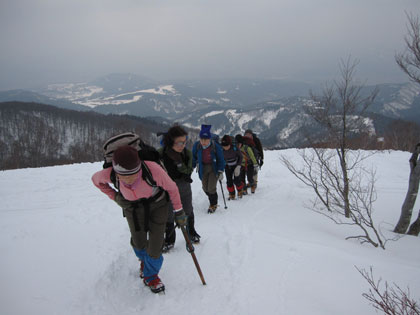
58 41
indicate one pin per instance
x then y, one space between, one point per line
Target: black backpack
145 151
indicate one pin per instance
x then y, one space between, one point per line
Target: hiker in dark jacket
177 160
233 159
208 157
249 165
144 206
257 142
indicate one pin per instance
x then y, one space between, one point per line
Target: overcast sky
58 41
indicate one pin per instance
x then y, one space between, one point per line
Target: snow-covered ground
65 249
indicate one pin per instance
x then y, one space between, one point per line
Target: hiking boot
240 194
141 274
253 188
154 283
167 247
244 191
231 196
212 208
195 238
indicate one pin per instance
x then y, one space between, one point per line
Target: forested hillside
33 135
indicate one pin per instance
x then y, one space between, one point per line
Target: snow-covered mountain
133 94
399 101
272 108
278 123
33 135
34 97
65 249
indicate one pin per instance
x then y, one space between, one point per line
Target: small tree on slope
344 188
409 62
410 198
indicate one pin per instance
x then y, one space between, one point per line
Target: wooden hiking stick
190 249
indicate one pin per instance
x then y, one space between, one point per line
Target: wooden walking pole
190 249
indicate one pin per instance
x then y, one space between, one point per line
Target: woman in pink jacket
144 206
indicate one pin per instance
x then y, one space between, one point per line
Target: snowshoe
154 283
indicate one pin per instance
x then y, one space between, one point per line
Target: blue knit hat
205 132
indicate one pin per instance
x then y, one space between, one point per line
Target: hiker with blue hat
208 157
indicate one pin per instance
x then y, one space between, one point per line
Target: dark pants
232 179
250 175
248 172
209 183
147 226
186 200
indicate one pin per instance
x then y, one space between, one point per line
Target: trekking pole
190 249
223 194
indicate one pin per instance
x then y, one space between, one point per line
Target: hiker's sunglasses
180 143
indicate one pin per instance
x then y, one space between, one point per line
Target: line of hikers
154 187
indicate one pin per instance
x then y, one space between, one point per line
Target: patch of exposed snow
213 113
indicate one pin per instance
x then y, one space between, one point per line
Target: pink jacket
102 180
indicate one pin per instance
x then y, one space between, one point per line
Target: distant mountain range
271 108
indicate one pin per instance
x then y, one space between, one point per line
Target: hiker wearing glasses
177 160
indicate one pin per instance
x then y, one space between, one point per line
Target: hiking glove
220 176
237 171
187 178
180 218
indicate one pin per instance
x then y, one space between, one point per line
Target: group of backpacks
124 164
149 153
243 166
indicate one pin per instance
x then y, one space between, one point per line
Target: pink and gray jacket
139 189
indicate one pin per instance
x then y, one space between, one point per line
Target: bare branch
392 300
409 60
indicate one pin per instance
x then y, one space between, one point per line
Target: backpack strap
113 177
146 174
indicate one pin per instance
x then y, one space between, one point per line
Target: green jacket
248 156
178 165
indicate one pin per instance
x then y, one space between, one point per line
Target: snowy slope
64 249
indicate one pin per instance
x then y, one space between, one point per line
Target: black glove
187 178
180 218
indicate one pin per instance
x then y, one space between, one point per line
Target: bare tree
340 111
411 196
409 60
344 188
392 300
321 171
